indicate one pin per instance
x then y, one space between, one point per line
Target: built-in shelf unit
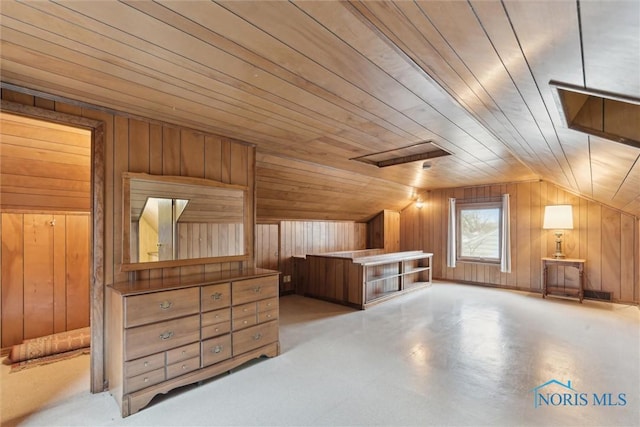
364 278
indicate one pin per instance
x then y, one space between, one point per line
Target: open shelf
411 270
417 270
380 278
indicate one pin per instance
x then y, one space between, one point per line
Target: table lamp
558 218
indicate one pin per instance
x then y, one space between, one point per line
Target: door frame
96 248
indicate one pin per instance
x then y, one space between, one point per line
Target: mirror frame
127 265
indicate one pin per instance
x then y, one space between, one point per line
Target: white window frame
473 206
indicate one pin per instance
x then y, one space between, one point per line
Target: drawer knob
166 335
146 380
184 367
257 336
146 364
216 349
217 296
165 305
257 289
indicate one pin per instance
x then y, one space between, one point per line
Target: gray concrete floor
447 355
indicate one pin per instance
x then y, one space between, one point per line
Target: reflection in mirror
157 229
179 218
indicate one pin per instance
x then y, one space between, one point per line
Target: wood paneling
268 246
605 237
77 271
12 278
315 84
298 238
203 240
45 165
45 274
383 231
38 275
290 189
140 145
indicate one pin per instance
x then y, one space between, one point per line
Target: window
478 231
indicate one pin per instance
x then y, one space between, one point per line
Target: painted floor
446 355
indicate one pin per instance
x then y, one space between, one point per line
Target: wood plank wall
383 231
45 274
142 145
298 238
605 237
162 149
35 155
268 246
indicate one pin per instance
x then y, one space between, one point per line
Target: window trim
478 205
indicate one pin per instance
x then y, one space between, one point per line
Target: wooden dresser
166 333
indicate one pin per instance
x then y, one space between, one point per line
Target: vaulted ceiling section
315 84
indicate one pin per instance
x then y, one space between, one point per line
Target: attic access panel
611 116
397 156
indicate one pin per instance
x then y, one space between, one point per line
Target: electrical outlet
286 279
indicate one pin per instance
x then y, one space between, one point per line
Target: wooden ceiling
315 84
34 154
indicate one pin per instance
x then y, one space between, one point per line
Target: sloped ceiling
315 84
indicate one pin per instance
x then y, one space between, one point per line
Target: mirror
170 219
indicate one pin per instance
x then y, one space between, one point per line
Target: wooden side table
559 285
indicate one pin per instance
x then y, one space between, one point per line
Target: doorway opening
45 221
73 227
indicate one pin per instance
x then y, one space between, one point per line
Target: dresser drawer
144 380
216 350
183 367
216 323
266 316
245 291
268 304
243 310
157 306
244 322
254 337
218 316
142 365
214 297
244 316
183 353
215 330
161 336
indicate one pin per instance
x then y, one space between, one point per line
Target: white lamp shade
558 217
